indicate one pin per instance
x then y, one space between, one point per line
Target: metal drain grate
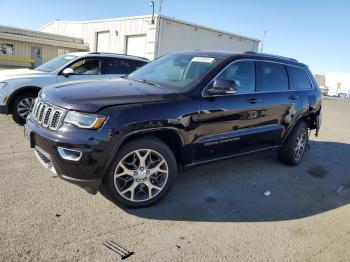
122 252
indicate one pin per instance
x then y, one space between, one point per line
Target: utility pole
262 42
152 6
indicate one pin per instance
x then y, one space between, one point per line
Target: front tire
142 173
292 152
21 107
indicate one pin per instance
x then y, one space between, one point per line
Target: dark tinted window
120 66
243 73
273 77
299 78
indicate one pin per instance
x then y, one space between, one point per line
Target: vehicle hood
10 74
91 96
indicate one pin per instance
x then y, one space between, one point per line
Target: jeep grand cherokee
128 137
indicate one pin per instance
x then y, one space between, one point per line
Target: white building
338 83
150 37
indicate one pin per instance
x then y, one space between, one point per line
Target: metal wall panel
164 36
176 36
119 29
23 50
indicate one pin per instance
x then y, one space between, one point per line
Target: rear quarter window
299 78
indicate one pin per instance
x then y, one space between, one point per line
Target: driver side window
89 66
243 73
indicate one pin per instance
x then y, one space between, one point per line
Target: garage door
136 45
102 42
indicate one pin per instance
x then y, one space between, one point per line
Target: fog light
69 154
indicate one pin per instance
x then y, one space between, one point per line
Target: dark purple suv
128 137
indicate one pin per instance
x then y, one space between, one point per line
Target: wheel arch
164 133
309 118
20 91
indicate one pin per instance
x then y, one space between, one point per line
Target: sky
316 32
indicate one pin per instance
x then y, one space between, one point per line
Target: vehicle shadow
234 190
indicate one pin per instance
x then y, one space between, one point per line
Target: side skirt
197 163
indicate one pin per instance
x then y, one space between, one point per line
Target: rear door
302 88
280 101
117 67
238 123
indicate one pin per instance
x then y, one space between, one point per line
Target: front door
238 123
84 69
36 56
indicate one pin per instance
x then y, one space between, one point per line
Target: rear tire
21 107
292 152
142 173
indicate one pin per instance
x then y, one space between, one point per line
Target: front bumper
87 172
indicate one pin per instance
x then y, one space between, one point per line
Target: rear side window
243 73
273 77
120 66
299 78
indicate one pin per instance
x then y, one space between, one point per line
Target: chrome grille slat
35 105
36 113
47 115
41 114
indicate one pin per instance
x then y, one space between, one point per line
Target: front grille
47 115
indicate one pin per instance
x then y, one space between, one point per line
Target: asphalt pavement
246 209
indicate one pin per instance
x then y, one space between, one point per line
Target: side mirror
222 87
68 71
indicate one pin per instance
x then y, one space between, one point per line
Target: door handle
253 100
294 97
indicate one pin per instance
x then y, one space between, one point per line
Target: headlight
2 85
82 120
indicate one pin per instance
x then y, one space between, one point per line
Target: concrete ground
216 212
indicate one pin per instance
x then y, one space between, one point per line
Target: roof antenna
262 43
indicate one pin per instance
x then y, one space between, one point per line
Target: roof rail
271 55
109 53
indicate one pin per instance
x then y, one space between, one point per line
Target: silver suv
20 87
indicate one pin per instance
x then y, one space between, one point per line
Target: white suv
19 87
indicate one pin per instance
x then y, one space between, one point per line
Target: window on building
299 78
273 77
120 66
90 66
243 73
7 49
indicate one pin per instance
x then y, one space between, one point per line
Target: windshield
55 63
177 71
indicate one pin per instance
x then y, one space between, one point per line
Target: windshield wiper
146 82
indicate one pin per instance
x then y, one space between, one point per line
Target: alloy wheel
24 106
141 175
300 144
